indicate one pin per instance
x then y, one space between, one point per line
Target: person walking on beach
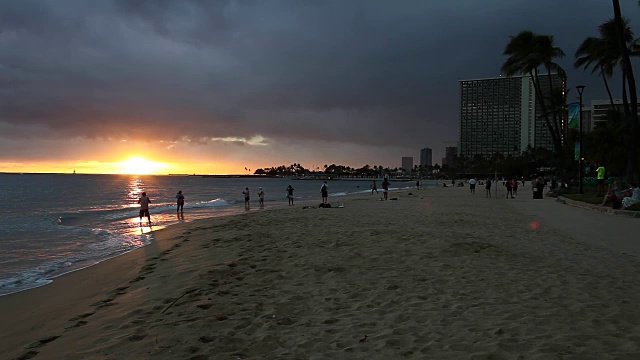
290 194
180 206
417 184
374 187
487 188
247 197
509 186
261 197
538 188
515 186
600 170
144 202
472 185
324 191
385 188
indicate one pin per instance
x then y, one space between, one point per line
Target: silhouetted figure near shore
290 194
261 197
180 202
385 188
324 191
247 198
144 202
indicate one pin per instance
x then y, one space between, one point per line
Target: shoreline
438 274
240 211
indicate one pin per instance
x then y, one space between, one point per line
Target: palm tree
593 53
603 53
627 71
527 52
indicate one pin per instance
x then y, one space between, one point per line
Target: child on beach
374 187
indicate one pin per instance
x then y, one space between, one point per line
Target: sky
229 86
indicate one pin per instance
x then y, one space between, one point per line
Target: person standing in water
261 197
247 197
180 204
324 191
144 202
374 187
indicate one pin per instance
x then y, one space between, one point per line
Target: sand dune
440 274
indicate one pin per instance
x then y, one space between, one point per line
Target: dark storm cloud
370 72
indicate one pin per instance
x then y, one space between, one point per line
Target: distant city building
407 163
450 153
599 111
425 157
502 115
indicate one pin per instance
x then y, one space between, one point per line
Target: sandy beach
438 274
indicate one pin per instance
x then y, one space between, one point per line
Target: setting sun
139 166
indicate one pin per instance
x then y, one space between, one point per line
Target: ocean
53 224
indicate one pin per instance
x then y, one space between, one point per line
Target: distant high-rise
425 157
407 163
503 115
450 153
599 111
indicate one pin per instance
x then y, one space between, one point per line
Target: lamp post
580 89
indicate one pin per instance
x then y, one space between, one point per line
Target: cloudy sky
211 86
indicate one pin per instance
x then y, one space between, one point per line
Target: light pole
580 89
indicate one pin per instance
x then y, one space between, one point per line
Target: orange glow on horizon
134 165
137 165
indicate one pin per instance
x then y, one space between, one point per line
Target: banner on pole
576 151
573 118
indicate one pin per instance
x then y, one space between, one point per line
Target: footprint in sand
82 316
138 278
28 355
42 342
137 337
204 306
77 324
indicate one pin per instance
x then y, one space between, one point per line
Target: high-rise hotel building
425 157
502 115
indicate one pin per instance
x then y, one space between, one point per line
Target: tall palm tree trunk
557 127
557 146
625 99
543 107
606 85
628 70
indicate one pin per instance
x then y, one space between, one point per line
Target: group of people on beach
385 188
144 202
247 198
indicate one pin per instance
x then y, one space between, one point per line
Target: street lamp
580 89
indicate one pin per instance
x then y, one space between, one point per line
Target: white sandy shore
440 274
